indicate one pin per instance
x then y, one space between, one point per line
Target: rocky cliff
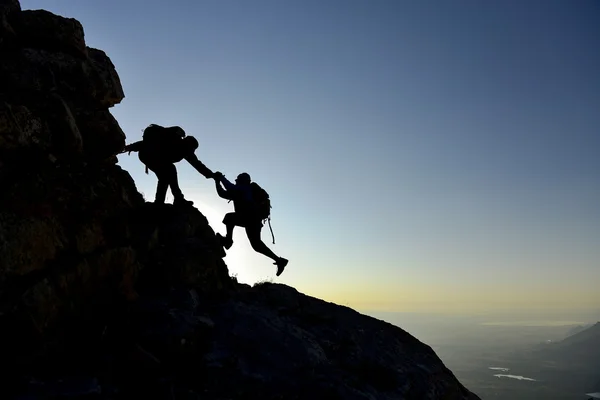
105 296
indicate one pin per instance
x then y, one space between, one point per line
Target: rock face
55 91
105 296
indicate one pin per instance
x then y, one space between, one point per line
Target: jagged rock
102 135
27 243
7 33
8 7
47 124
106 82
54 90
19 127
91 82
50 210
77 281
40 29
184 249
29 70
66 140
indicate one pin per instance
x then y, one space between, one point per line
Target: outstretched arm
132 147
197 164
228 185
220 191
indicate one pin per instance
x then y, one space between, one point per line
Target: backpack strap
273 236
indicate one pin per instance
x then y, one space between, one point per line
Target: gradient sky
420 156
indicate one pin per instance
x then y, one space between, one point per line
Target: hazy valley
504 358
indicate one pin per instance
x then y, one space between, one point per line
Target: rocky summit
106 296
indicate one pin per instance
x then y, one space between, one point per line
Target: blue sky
421 156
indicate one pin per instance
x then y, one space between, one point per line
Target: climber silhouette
245 215
159 149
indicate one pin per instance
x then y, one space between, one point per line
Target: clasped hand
217 176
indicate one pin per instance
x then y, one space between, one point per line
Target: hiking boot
281 263
223 241
180 201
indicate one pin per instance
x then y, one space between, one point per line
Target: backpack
261 201
262 205
162 138
160 141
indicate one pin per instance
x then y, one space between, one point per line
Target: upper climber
159 149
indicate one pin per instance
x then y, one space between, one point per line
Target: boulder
101 133
106 82
39 72
40 29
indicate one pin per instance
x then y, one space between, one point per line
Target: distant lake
519 377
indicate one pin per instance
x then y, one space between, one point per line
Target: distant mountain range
577 329
577 357
583 346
